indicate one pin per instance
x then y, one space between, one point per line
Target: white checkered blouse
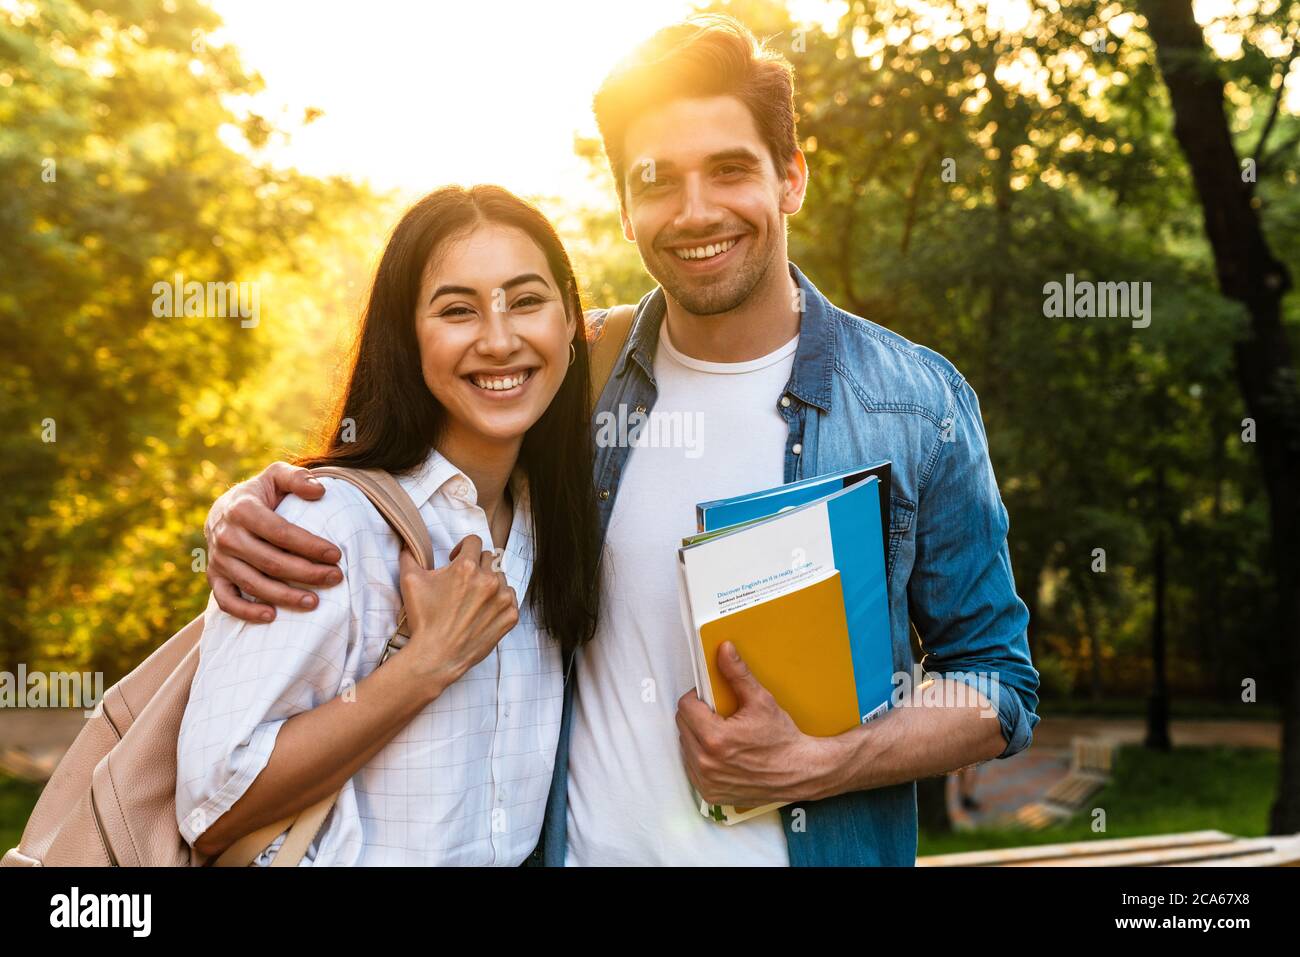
465 782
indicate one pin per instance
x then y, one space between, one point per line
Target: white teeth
705 252
500 383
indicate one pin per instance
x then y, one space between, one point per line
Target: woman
469 384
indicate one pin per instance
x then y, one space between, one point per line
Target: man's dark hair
705 55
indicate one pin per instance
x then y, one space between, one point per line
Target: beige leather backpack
112 799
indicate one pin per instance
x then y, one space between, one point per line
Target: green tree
1250 273
121 169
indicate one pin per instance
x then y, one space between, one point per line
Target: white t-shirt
714 432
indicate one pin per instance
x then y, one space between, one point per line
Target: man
699 129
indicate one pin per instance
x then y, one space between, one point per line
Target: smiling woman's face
493 331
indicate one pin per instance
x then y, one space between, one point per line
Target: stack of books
794 577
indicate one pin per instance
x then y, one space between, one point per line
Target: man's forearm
912 741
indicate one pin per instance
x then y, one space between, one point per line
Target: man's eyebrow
508 284
740 153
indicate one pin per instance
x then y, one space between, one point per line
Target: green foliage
608 267
17 798
121 170
957 166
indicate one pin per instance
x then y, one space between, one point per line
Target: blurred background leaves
960 160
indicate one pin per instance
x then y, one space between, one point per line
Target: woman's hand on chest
457 614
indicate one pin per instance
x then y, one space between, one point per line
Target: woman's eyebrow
453 290
508 284
523 278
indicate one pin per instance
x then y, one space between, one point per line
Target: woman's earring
573 354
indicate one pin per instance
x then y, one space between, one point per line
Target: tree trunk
932 805
1094 648
1223 685
1248 273
1158 705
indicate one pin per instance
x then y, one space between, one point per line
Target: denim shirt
859 393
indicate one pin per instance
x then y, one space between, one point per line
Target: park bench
1090 768
1191 849
1091 763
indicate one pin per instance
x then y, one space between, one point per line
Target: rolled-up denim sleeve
962 594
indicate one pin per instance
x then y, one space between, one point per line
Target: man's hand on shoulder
251 548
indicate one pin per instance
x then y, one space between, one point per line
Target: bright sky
417 94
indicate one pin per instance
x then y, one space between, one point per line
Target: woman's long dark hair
396 420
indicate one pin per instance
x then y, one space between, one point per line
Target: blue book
740 509
798 584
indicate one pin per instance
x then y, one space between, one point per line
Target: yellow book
812 677
801 594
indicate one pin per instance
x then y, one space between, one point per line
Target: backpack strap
608 344
303 828
388 496
392 502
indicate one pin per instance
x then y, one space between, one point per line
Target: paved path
33 739
1057 732
1003 787
37 729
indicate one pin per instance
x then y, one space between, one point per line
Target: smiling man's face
705 202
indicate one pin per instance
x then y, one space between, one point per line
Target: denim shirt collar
814 360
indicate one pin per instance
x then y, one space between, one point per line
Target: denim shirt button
796 448
640 408
785 402
603 494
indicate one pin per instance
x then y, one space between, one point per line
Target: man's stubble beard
712 299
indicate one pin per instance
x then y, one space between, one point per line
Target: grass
17 798
1187 789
